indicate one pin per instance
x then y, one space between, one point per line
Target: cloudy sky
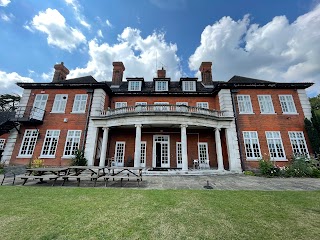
267 39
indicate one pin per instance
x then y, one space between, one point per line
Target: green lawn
98 213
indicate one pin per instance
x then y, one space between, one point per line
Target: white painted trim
177 157
305 103
98 102
154 157
145 154
124 153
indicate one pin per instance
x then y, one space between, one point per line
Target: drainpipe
233 95
90 92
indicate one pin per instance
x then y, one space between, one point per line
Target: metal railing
163 108
29 112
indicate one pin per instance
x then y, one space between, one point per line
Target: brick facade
202 126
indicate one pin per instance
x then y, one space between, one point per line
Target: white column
137 150
219 149
184 148
102 162
233 150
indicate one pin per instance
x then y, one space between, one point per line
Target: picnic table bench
79 173
13 171
44 174
123 173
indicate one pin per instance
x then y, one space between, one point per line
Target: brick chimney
206 74
118 69
60 73
161 73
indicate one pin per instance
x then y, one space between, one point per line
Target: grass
97 213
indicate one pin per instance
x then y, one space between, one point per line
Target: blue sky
271 40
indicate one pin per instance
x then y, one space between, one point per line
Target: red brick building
163 123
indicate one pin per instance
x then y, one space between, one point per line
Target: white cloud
99 32
278 51
8 82
4 3
76 7
109 23
138 54
59 33
6 17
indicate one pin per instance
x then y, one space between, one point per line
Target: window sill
290 113
58 112
77 112
24 156
67 157
246 113
253 159
279 160
268 113
43 156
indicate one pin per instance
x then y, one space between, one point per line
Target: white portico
181 118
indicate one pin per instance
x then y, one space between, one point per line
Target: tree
313 136
9 102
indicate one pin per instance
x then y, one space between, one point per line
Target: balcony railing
163 108
29 113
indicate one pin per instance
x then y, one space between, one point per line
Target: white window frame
203 105
298 144
80 103
266 105
181 106
134 85
50 144
2 143
60 103
120 104
277 143
161 108
203 162
179 154
252 145
287 104
244 104
73 137
143 157
116 159
161 86
141 106
29 142
189 86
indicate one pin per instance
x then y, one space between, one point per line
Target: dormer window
134 86
189 86
161 86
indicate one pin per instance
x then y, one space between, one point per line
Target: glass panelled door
161 151
39 106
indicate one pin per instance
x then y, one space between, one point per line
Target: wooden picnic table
78 173
124 173
42 173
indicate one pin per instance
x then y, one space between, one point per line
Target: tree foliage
9 102
313 135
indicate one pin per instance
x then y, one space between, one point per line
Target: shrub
37 163
249 173
79 159
268 169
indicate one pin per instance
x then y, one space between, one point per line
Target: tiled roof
240 79
174 87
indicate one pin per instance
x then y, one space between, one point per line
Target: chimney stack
60 73
117 75
161 73
206 74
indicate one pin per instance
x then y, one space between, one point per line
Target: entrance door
161 151
39 106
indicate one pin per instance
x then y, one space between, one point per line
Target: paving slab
200 182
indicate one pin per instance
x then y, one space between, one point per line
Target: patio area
200 182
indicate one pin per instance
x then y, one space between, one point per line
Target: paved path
219 182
